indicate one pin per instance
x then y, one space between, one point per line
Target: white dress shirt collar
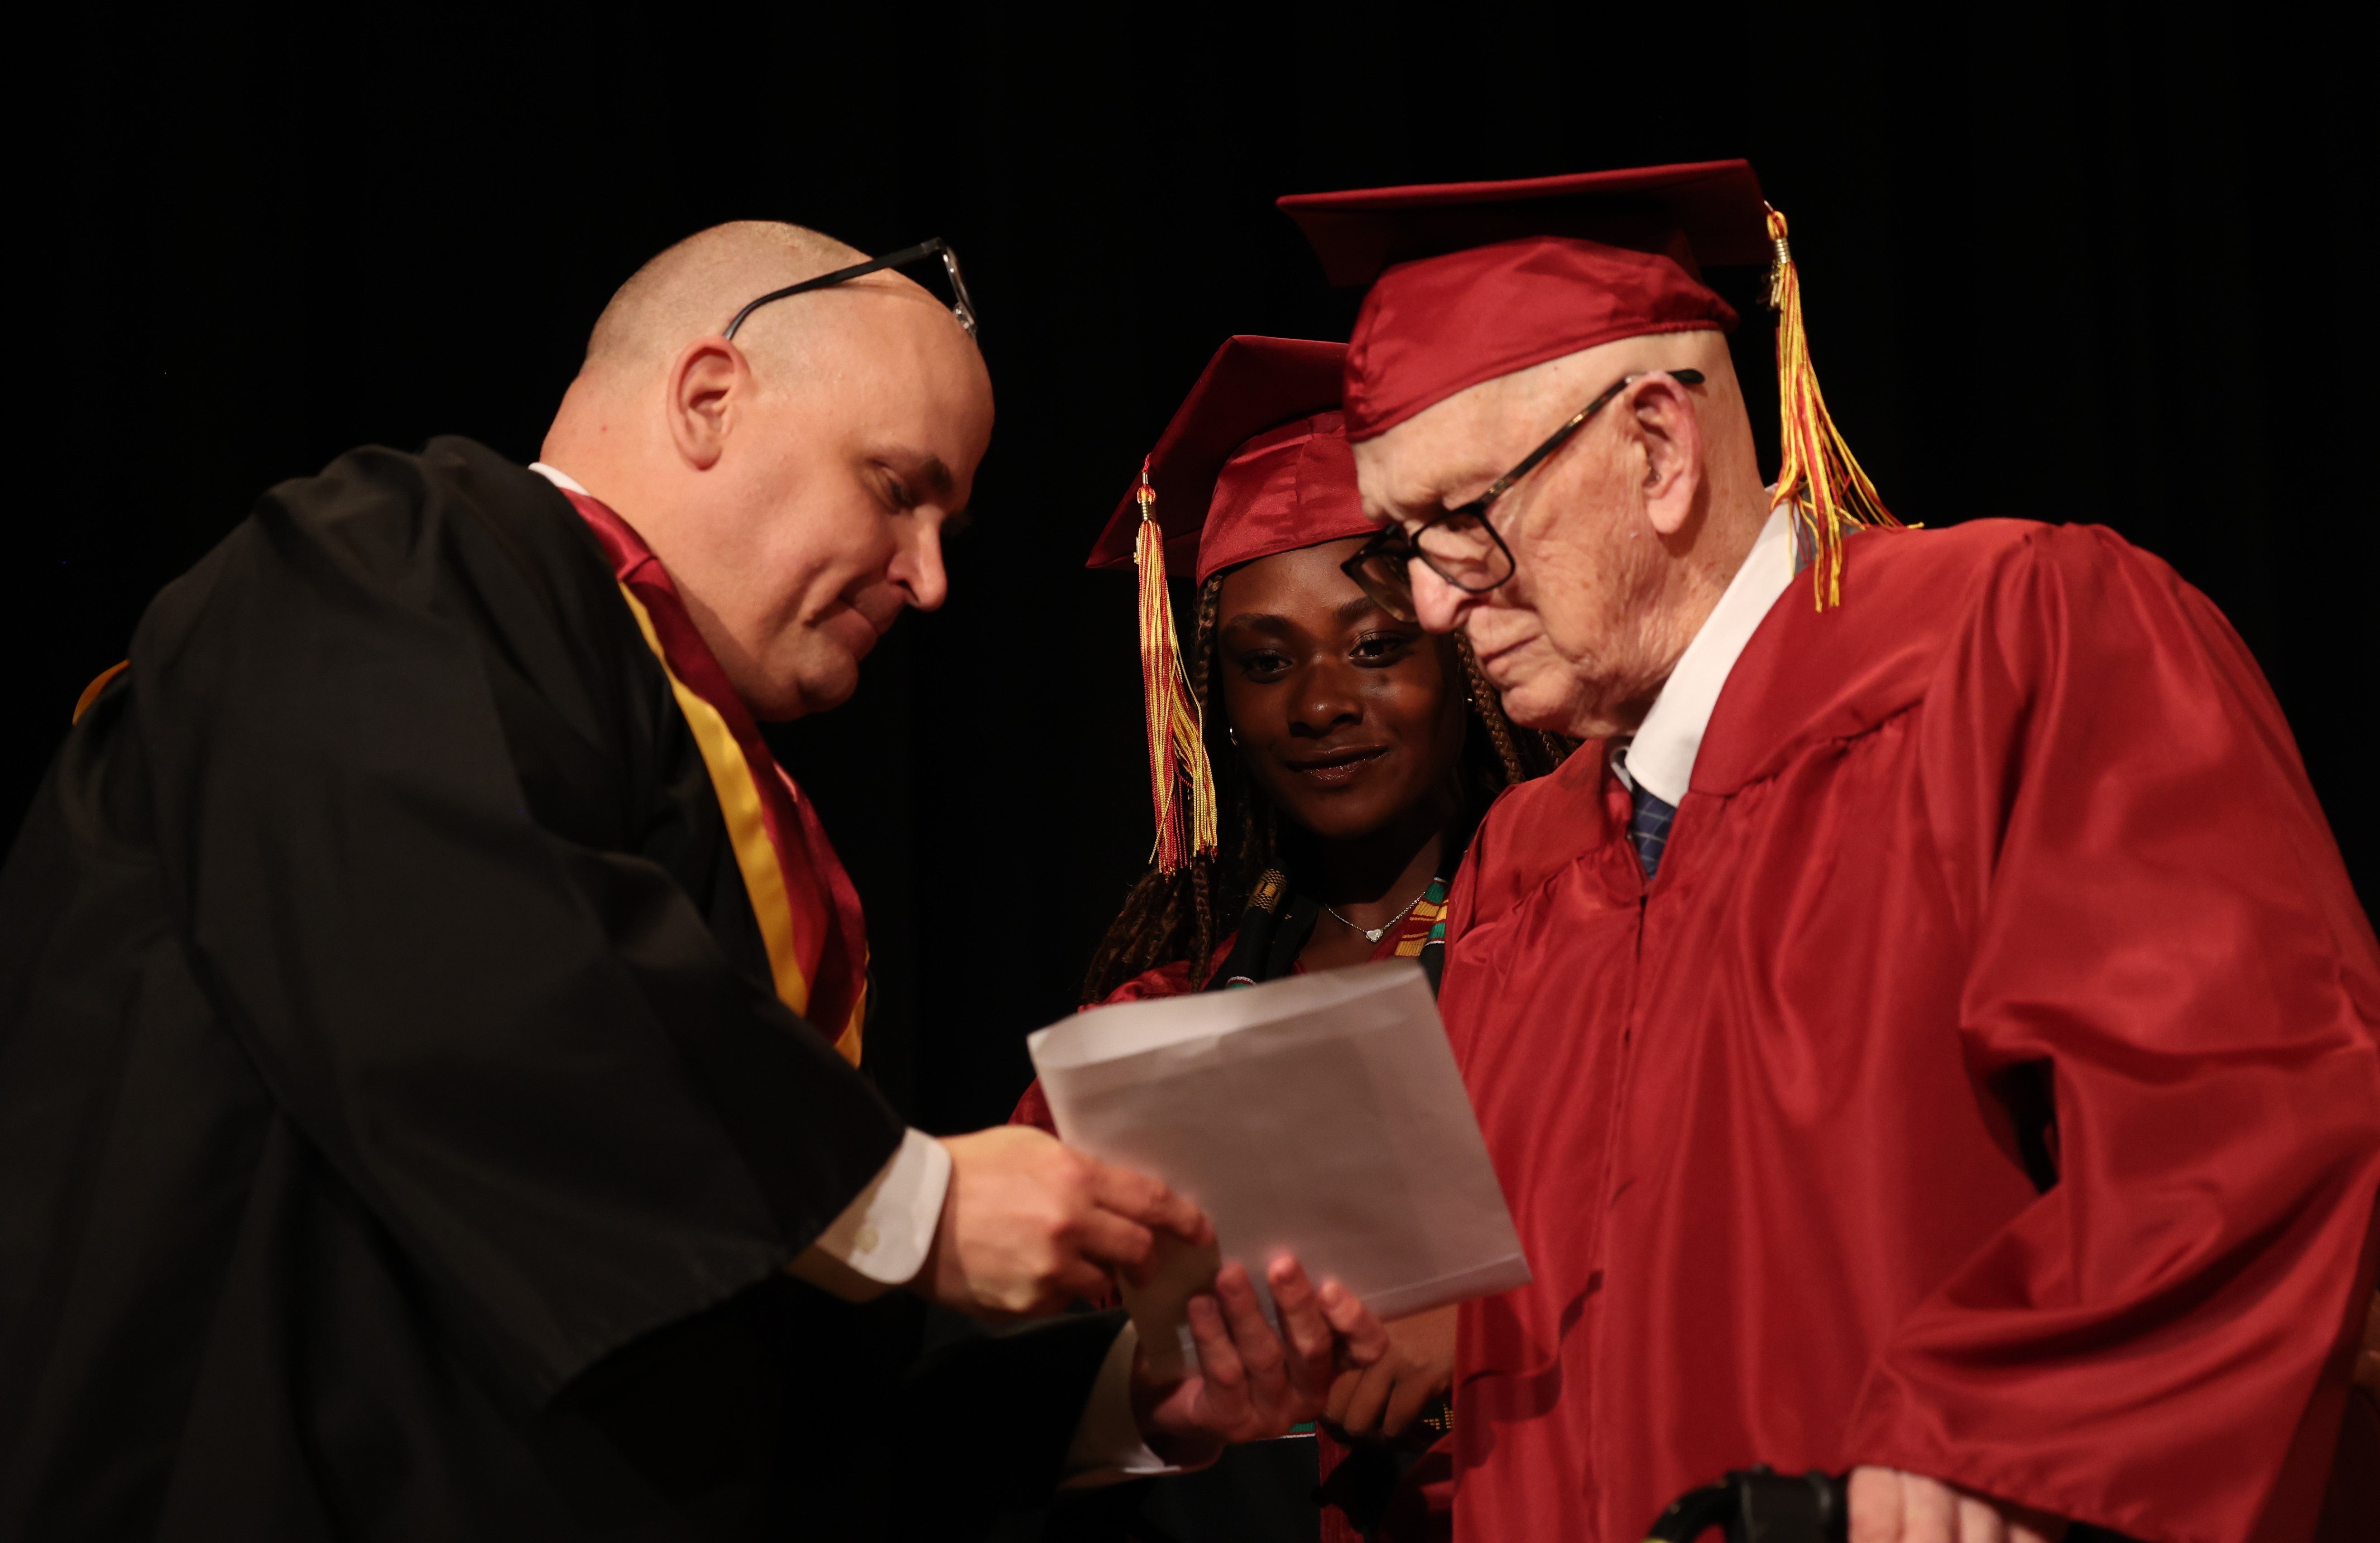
558 478
1660 758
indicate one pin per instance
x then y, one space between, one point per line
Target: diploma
1320 1115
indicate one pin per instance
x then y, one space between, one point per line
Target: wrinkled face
1348 719
836 487
1563 639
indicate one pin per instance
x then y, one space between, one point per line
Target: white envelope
1320 1115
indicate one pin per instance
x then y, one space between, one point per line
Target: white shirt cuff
881 1239
1107 1446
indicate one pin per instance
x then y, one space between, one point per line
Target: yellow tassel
1820 476
1177 746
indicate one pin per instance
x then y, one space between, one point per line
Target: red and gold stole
808 912
1424 925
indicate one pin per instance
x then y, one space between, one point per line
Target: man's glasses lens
961 306
1460 547
1379 569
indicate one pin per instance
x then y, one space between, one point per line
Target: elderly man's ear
1662 420
707 382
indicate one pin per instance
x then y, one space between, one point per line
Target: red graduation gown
2024 804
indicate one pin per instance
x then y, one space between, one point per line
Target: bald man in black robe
399 1133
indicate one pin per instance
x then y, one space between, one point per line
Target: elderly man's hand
1029 1225
1890 1506
1249 1385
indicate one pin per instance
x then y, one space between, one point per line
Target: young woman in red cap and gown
1943 1040
1350 757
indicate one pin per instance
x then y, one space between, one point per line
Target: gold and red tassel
1178 772
1820 476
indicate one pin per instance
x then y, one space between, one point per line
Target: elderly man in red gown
1928 1031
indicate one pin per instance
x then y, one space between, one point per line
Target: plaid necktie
1649 829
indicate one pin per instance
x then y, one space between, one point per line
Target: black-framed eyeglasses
1462 545
961 306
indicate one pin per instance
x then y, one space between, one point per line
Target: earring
1232 735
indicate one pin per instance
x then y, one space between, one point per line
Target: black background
2072 263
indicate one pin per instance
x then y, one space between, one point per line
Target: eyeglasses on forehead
962 307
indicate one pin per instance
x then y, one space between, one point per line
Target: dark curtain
2068 261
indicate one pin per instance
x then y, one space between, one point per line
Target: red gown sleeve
2158 914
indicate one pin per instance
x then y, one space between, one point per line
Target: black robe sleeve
446 865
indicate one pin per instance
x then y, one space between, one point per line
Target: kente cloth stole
1425 924
807 910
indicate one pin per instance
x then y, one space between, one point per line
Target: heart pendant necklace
1374 934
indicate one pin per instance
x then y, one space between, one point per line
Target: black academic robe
398 1133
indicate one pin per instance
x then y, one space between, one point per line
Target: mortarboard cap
1472 280
1254 462
1705 212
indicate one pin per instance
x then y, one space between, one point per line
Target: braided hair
1173 915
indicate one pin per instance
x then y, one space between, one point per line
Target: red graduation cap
1473 280
1470 281
1254 462
1706 212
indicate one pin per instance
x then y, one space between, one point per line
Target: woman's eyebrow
1354 610
1257 621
